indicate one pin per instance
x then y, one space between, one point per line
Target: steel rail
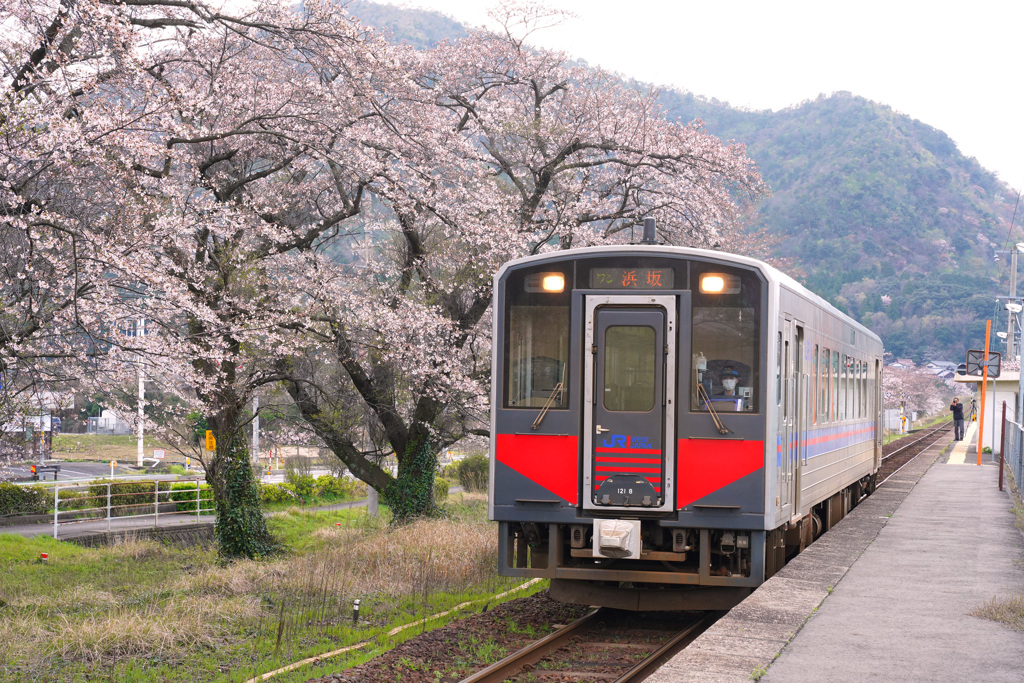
531 654
933 433
679 641
944 425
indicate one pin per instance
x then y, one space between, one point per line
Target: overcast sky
952 65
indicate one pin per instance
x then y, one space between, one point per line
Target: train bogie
669 425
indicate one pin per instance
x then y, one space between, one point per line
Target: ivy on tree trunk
411 493
241 528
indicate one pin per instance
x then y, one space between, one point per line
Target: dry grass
142 604
78 597
443 554
1009 611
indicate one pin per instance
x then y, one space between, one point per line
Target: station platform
892 593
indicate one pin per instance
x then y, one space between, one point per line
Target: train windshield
537 339
726 339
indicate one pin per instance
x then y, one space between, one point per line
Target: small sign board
976 363
211 442
158 453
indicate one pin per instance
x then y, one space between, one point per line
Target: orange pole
984 383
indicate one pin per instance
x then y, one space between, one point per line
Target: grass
104 447
1009 611
142 611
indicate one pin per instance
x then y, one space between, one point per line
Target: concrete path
886 595
904 610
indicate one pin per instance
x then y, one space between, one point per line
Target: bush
185 497
474 471
328 486
276 493
23 500
301 484
440 489
80 500
132 493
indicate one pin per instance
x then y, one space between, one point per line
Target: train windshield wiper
556 395
719 425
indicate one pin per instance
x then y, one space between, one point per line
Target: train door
790 417
629 389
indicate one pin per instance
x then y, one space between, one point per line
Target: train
669 425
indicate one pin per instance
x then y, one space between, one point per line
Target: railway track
605 645
611 645
897 454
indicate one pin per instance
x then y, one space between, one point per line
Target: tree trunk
241 528
411 493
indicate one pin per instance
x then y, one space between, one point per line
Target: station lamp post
1011 349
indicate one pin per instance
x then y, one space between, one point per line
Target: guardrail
1012 451
123 504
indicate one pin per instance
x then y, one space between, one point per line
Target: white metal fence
106 506
1013 449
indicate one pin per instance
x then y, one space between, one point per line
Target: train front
628 425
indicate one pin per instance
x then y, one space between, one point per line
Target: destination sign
632 278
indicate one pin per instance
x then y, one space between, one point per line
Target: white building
997 391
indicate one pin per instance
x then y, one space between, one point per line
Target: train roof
771 273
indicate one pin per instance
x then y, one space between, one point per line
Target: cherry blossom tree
524 153
210 174
217 151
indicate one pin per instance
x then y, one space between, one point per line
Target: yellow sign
211 443
113 464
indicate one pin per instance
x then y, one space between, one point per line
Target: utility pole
1010 345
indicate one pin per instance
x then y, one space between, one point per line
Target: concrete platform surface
887 594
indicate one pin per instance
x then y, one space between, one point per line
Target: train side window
863 389
537 340
824 385
835 386
726 330
855 381
844 386
778 371
814 386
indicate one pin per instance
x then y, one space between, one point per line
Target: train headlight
552 283
719 283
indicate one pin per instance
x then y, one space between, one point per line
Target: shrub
301 484
474 471
185 496
22 500
80 500
276 493
327 486
124 496
440 489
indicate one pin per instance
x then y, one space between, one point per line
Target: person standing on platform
957 409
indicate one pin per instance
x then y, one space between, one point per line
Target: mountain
878 212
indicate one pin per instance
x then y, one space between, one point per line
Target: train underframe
678 567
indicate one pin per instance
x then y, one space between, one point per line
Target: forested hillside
877 212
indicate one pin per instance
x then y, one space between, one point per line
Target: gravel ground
449 654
